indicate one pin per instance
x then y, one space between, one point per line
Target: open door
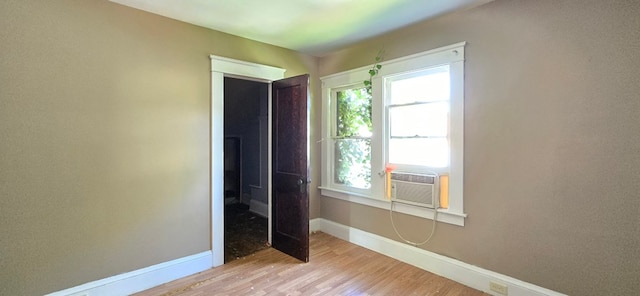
290 196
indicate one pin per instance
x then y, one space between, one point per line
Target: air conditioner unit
414 189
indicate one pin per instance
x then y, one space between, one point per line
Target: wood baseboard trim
144 278
469 275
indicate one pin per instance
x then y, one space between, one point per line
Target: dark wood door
290 197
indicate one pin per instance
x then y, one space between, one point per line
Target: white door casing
224 67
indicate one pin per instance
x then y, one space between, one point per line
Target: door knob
302 184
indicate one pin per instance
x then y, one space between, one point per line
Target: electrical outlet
498 288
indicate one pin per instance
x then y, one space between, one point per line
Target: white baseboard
466 274
314 225
259 208
142 279
469 275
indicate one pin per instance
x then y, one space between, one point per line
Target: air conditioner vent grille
413 178
414 189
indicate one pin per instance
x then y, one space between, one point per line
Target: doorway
222 67
292 97
245 167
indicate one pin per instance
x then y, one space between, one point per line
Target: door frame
222 67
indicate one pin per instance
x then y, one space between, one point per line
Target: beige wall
552 141
104 139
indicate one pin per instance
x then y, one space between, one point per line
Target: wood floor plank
336 267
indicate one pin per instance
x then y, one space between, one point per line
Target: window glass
431 152
353 163
352 143
425 86
353 113
419 120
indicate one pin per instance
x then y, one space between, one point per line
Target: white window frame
331 151
452 55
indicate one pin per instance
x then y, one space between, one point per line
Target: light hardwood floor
336 267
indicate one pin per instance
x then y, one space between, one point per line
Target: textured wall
104 139
552 141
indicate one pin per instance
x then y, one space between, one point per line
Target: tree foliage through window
353 138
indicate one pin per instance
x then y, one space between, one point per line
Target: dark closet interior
232 169
245 230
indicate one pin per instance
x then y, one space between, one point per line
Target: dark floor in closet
244 232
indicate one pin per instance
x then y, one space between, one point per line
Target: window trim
453 55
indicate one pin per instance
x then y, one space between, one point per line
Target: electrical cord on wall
433 227
435 215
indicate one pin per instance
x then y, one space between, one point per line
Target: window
412 120
352 138
418 108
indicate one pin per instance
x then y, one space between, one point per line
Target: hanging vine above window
374 70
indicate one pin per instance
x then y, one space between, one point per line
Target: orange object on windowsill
388 169
444 191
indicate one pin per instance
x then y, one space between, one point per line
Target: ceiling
310 26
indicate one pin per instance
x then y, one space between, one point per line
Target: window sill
444 215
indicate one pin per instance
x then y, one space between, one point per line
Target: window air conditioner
414 189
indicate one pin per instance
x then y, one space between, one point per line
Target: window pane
426 120
426 152
352 165
431 85
353 117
